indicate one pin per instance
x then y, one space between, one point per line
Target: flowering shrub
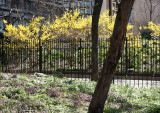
23 33
155 28
69 26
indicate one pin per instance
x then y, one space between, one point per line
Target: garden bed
57 95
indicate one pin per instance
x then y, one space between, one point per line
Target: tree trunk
110 7
112 58
95 21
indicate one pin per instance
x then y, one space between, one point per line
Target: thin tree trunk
110 7
95 21
113 56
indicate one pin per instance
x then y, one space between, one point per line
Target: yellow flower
140 28
4 21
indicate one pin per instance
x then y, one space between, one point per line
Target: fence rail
140 58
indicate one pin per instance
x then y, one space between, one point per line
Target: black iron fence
140 58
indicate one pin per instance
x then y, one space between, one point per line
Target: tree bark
110 7
116 46
95 21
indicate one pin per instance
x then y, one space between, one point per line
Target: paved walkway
136 83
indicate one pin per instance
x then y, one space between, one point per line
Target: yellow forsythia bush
69 26
155 28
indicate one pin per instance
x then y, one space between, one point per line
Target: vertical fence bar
78 60
130 59
13 56
33 54
44 54
25 56
7 54
54 50
40 56
47 55
50 54
21 57
2 55
58 54
121 68
138 59
85 61
152 63
71 48
80 48
64 55
64 60
156 63
126 52
88 63
37 55
147 59
113 79
75 55
142 63
134 59
28 57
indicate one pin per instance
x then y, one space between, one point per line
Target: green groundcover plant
53 94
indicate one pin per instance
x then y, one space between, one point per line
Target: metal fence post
2 54
126 68
80 54
40 56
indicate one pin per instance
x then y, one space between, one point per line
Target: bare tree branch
155 6
142 14
145 12
7 14
117 2
156 18
18 19
147 4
